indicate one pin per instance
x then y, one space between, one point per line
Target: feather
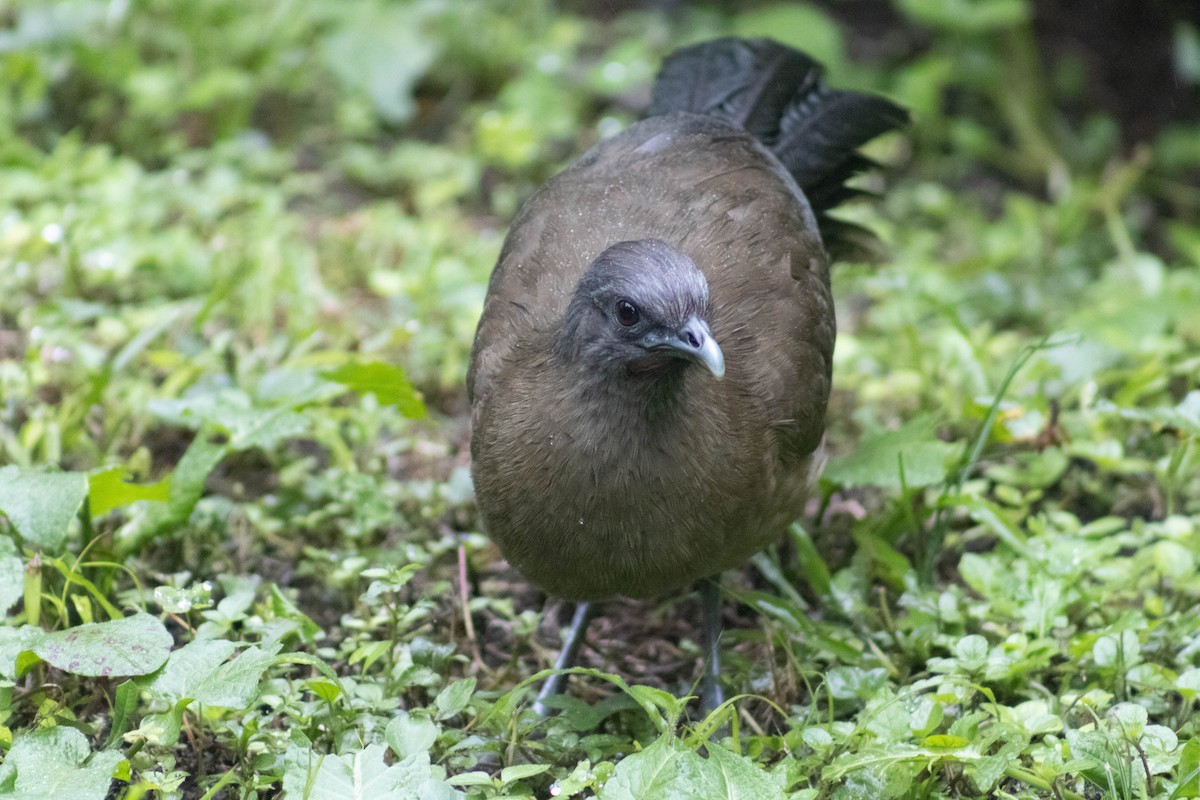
777 94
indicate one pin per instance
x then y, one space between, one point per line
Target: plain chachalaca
649 377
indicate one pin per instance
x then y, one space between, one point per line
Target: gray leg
711 695
566 656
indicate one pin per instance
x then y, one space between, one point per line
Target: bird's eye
627 313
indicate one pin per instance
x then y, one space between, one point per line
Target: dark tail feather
777 94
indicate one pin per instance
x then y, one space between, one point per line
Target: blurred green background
243 248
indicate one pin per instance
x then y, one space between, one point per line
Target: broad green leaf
135 645
1117 650
878 458
1106 769
1185 416
233 412
235 683
408 734
380 52
725 775
12 576
1188 772
14 642
386 381
971 652
1130 718
40 505
108 490
519 772
475 777
212 672
1188 683
361 775
56 763
801 25
163 728
652 774
968 16
454 698
187 487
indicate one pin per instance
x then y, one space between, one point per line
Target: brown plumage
626 459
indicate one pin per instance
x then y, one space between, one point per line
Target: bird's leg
566 656
711 694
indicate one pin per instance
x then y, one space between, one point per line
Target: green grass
242 251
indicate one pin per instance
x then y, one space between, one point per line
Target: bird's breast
610 496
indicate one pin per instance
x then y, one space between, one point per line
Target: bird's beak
694 341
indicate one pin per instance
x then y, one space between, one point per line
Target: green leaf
386 381
12 576
454 698
1117 650
380 52
107 490
968 16
521 771
1188 772
56 763
408 734
187 487
942 741
40 505
800 25
1131 718
205 670
14 642
136 645
725 775
971 652
651 775
877 459
361 775
124 704
232 411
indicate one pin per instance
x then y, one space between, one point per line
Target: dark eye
627 313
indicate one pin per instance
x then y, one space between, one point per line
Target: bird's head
641 306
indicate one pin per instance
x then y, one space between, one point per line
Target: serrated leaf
136 645
386 381
56 763
725 775
40 505
650 775
107 490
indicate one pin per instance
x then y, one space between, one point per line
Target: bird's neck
628 396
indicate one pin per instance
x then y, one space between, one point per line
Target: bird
650 373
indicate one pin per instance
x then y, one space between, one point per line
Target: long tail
777 94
